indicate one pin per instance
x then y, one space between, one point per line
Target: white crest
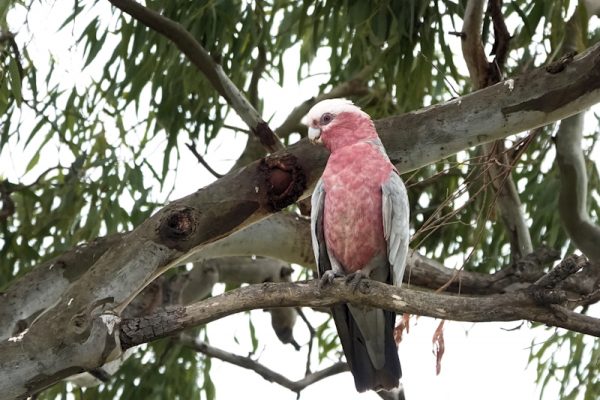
333 106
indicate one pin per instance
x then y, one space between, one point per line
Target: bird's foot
354 279
327 278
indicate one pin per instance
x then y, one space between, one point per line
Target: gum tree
93 243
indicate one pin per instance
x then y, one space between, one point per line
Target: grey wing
317 203
395 212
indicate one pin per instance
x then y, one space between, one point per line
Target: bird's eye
326 118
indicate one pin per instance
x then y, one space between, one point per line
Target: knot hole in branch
285 180
177 226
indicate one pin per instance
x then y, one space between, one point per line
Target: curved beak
314 134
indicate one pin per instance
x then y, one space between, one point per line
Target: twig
562 271
472 47
264 372
501 35
205 63
353 87
483 74
201 160
312 333
259 67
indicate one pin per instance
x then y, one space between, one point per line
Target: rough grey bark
86 313
540 304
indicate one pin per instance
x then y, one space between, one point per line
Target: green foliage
104 179
571 360
161 370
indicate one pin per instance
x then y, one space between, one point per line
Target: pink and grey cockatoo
359 226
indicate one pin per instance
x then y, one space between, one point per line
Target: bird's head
337 123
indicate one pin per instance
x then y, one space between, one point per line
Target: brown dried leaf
438 346
399 329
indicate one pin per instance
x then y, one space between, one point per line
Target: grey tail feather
366 377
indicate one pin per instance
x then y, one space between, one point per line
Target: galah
359 227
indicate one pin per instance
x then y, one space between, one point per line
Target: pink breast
352 212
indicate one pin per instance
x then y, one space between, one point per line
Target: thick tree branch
244 197
205 63
525 102
502 307
266 373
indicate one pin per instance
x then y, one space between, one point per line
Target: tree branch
35 291
198 284
354 87
472 46
205 63
572 199
246 196
501 307
266 373
507 199
201 160
502 37
482 75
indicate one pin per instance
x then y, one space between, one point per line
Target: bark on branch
209 67
246 196
519 305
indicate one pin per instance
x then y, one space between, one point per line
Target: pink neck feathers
347 129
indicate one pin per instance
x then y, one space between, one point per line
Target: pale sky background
483 360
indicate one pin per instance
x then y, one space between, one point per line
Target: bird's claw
354 279
327 278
